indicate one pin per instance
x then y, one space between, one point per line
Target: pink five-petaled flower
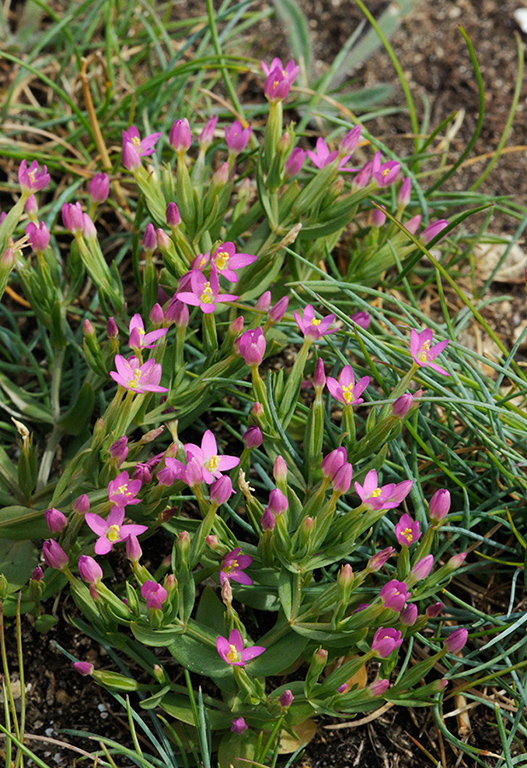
407 530
204 293
237 137
239 725
290 71
385 641
32 179
345 390
322 156
394 595
207 457
111 530
386 497
154 594
138 338
144 146
423 354
138 378
233 565
312 327
226 260
122 490
277 86
233 652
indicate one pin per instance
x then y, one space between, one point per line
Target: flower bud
439 505
264 302
239 725
408 616
279 470
55 520
277 312
38 236
180 138
119 450
31 207
362 319
54 555
378 687
286 699
379 559
268 519
294 162
221 490
73 217
149 239
403 196
226 592
456 640
252 438
173 217
37 574
89 569
278 501
207 134
111 329
385 641
99 188
333 462
402 405
82 505
252 346
456 561
319 377
131 159
133 548
350 141
422 568
433 611
83 667
342 479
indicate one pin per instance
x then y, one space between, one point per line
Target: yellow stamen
408 535
113 533
347 392
314 321
423 357
375 493
207 297
230 567
221 260
135 381
212 463
136 141
124 490
233 654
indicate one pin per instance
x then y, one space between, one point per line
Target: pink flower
144 146
233 652
439 505
251 345
385 641
378 687
432 230
38 236
180 138
311 327
56 520
239 725
345 390
204 293
99 188
423 354
333 462
233 565
138 338
294 162
207 457
226 260
386 497
122 490
111 530
407 530
376 562
394 595
290 71
89 569
408 617
138 378
237 137
456 640
73 217
361 318
154 594
277 86
83 667
32 179
207 134
322 156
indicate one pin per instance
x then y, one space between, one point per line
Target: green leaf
156 637
17 560
76 419
198 657
177 705
23 401
211 611
18 522
278 656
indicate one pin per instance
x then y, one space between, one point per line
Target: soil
436 63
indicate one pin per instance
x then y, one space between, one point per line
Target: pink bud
294 162
457 561
162 240
422 568
456 640
207 134
73 217
38 236
55 520
385 641
362 319
226 591
280 470
342 688
268 520
345 577
286 699
239 725
439 505
412 225
378 687
236 327
133 548
403 197
83 667
180 138
408 616
378 218
433 611
111 329
99 188
213 542
342 479
379 559
319 376
252 346
54 555
156 315
221 176
82 505
264 302
432 230
277 312
119 450
31 206
333 462
37 574
173 217
89 569
252 438
131 159
350 141
402 405
221 490
278 501
149 239
257 411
